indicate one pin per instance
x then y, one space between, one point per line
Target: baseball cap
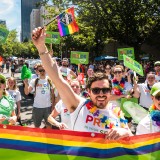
157 63
155 89
3 77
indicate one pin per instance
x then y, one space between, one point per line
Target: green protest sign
52 37
3 35
79 57
133 65
127 51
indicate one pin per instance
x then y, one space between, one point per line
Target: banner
79 57
3 35
133 65
22 143
52 37
127 51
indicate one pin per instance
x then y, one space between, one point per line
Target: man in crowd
44 97
90 116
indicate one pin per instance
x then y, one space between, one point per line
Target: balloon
25 73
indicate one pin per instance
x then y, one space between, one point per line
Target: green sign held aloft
79 57
3 35
52 37
127 51
133 65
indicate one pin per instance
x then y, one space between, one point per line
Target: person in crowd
108 71
7 65
90 72
44 97
7 112
13 68
142 91
151 123
120 88
65 68
14 92
94 115
157 70
60 109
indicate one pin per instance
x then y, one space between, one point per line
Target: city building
26 9
34 19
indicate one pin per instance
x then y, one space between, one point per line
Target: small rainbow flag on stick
67 23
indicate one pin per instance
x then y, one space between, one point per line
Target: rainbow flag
22 143
67 23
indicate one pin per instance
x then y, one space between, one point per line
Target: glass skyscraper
26 8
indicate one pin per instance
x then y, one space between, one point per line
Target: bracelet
42 53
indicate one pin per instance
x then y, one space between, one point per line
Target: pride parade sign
125 51
52 37
79 57
133 65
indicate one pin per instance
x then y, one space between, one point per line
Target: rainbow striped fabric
67 23
22 143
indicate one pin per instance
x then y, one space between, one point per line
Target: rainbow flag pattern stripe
22 143
67 23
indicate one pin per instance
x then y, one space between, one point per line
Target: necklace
106 122
155 114
118 88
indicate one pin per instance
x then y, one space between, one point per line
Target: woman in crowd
151 123
14 92
7 113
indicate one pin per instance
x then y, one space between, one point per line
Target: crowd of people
87 98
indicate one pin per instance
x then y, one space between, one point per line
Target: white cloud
6 6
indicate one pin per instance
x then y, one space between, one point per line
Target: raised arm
69 98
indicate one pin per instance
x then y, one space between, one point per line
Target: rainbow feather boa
155 114
118 88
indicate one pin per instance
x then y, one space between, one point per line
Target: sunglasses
157 97
107 68
117 72
41 70
98 90
2 81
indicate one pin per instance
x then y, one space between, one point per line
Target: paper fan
137 112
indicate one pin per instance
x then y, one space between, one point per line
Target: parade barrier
17 143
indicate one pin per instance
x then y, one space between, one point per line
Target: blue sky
10 10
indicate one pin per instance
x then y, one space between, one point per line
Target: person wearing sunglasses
93 115
7 112
44 96
151 123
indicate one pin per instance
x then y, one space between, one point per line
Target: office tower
26 9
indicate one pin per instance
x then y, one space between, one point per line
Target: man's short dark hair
97 76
